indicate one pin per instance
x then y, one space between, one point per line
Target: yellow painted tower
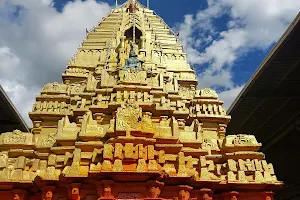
127 122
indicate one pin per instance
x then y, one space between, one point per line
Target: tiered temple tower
127 122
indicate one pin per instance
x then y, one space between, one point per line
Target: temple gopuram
128 122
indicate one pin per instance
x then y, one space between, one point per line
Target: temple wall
109 190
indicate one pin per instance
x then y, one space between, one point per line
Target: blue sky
226 40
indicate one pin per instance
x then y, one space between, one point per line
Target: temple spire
127 110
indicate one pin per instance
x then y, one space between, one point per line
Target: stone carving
154 192
183 195
77 88
66 130
45 140
246 141
77 72
3 159
133 62
90 128
16 137
187 76
107 192
210 144
49 141
208 93
55 88
187 91
146 123
51 107
104 190
86 58
164 129
132 76
128 117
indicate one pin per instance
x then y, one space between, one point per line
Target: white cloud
228 96
36 42
252 25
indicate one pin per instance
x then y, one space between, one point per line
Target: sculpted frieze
187 76
3 159
86 58
204 108
241 140
128 117
77 88
208 93
132 75
51 107
16 137
45 140
210 145
55 88
77 71
187 91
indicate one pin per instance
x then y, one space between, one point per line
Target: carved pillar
143 42
48 192
122 41
104 190
206 194
222 131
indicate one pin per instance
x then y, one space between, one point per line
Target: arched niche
129 34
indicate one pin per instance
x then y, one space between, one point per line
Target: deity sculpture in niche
133 62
